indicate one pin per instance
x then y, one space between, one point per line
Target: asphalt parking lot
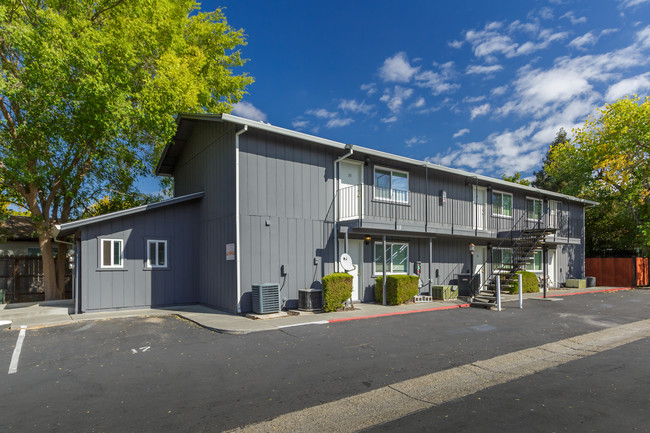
165 373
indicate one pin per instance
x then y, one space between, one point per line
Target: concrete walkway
54 313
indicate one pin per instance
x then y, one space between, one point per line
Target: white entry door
480 213
355 250
552 263
480 253
349 191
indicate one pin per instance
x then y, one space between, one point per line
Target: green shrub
529 283
337 288
399 288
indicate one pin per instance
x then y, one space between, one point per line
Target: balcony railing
367 203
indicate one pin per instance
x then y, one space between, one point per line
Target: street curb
397 313
618 289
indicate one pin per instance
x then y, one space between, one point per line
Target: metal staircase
523 242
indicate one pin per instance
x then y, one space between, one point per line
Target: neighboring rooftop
17 228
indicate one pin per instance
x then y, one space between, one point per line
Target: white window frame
534 200
554 213
148 263
502 193
496 264
389 262
391 199
531 266
101 253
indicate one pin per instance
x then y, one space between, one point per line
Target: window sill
165 268
112 269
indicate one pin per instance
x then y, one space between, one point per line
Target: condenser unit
266 298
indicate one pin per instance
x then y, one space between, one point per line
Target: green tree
542 179
88 94
516 178
118 201
608 161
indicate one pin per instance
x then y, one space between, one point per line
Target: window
502 204
534 209
111 253
397 258
156 254
536 263
391 185
36 251
501 256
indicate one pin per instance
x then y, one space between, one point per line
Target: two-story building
254 203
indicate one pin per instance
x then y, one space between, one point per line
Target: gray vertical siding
208 164
285 194
133 285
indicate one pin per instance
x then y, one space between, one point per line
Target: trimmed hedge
529 283
399 288
337 288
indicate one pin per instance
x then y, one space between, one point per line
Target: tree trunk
61 267
49 269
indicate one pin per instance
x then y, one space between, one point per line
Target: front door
349 189
480 253
551 269
480 204
355 250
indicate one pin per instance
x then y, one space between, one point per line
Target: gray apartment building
255 203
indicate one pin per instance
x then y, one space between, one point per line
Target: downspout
426 199
336 179
77 270
237 218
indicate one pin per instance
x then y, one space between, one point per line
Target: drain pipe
237 218
336 179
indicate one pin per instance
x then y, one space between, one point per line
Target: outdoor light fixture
367 239
367 160
489 245
471 248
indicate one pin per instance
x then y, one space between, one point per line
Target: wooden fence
21 277
622 272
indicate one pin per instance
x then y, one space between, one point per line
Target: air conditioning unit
266 298
310 300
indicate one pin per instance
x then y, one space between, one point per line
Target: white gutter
336 184
237 218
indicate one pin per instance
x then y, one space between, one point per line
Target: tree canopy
516 178
608 160
88 94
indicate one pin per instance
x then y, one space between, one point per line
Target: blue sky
481 86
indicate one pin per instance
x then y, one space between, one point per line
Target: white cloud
390 119
438 82
495 39
483 69
632 3
322 113
395 99
249 111
587 39
461 132
498 91
336 122
629 87
415 140
419 103
473 99
397 69
480 110
355 107
369 88
571 16
456 44
300 124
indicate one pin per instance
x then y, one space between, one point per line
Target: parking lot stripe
13 367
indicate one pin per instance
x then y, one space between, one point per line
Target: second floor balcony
372 207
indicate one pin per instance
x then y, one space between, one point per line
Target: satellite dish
346 262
